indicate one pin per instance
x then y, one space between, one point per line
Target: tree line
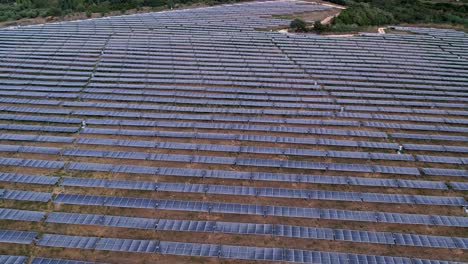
364 13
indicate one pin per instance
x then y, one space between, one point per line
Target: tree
170 4
319 27
298 25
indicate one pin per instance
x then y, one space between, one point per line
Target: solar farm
201 136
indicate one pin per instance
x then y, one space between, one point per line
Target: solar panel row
191 117
317 179
267 150
213 250
248 111
263 191
241 161
260 229
255 209
268 138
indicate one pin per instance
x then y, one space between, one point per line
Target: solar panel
189 249
9 259
21 215
24 178
25 195
17 237
416 184
424 241
64 241
445 172
127 245
462 186
369 259
363 236
438 159
39 260
430 261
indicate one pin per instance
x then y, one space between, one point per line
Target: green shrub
54 11
345 28
80 8
363 14
338 2
298 25
6 15
319 27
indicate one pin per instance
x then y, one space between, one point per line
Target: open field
190 136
